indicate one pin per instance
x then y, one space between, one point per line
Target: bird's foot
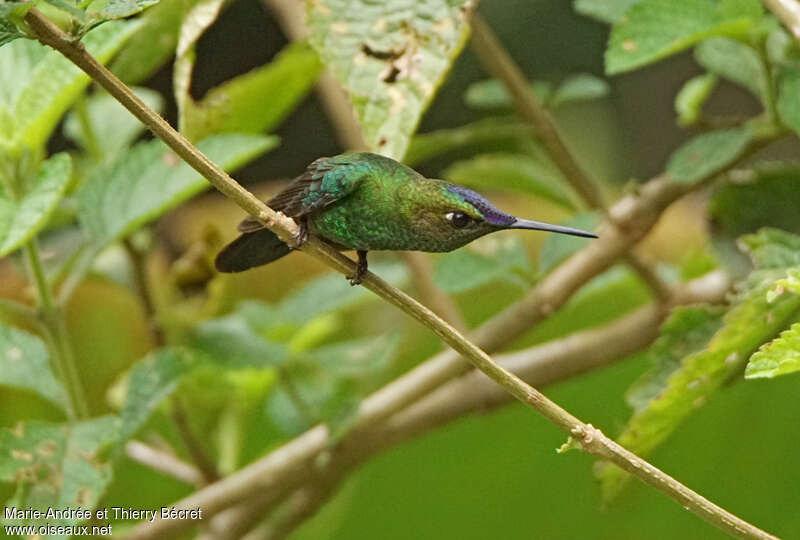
300 236
361 269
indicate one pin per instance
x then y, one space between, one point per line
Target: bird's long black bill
541 226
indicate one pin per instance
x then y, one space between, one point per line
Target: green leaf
517 172
557 247
24 363
47 83
490 131
707 154
113 126
239 105
691 97
482 262
154 42
391 58
607 11
58 466
779 357
767 198
736 62
148 180
578 87
492 94
232 342
149 382
19 221
772 249
788 103
119 9
687 330
327 384
654 29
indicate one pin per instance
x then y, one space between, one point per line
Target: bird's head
464 215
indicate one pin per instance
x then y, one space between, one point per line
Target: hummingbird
366 202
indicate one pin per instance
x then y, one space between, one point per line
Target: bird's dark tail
250 250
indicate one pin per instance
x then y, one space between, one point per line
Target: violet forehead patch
489 212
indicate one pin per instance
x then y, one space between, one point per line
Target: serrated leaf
607 11
767 198
518 172
490 131
481 262
119 9
391 58
654 29
150 381
687 330
239 105
24 363
57 466
745 328
707 154
557 247
154 42
19 221
735 61
691 97
113 126
327 384
10 14
148 180
48 83
788 103
779 357
772 249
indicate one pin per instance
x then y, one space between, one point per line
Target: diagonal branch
588 437
788 11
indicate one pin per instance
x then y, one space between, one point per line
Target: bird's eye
459 220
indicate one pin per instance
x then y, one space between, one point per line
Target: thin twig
788 11
589 438
496 60
164 463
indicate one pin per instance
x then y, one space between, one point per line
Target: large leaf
42 84
24 363
390 57
779 357
736 62
492 94
149 180
57 466
654 29
708 153
484 261
754 319
789 98
149 382
517 172
239 105
112 126
234 343
20 220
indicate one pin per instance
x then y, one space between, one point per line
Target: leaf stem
52 319
591 439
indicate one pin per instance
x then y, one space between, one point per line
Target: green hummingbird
367 202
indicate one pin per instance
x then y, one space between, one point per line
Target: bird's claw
300 236
361 269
